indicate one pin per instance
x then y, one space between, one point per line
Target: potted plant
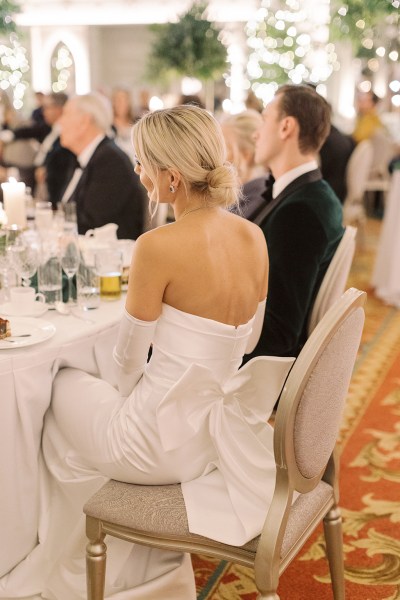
191 47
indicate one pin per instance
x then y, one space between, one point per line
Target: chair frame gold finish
335 278
155 516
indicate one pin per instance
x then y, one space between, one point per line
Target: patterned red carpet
370 475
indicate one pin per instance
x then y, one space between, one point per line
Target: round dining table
84 341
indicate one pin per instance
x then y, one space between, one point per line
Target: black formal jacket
109 191
302 227
60 164
334 156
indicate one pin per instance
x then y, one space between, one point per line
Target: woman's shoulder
223 221
155 240
247 227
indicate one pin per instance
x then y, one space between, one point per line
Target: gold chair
357 174
335 278
306 426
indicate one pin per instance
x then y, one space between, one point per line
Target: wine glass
70 259
25 258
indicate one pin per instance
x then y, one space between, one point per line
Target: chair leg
334 551
96 555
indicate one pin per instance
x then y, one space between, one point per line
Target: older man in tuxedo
301 216
104 185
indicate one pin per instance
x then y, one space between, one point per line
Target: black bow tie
267 194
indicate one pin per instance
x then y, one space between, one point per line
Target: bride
197 290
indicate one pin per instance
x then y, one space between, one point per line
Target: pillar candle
14 202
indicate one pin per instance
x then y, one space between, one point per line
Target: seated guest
104 186
239 130
37 115
334 156
36 130
195 287
123 120
368 120
54 163
301 218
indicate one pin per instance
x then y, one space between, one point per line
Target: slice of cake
5 329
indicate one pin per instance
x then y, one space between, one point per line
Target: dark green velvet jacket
302 232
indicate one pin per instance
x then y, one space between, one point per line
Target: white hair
98 107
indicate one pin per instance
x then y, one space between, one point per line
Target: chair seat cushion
159 511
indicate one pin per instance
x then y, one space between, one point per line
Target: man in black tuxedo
301 217
104 185
54 163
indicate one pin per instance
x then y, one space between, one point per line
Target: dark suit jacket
36 131
60 164
109 191
303 229
334 156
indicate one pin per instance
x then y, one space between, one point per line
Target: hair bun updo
222 185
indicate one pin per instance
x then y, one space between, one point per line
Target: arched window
62 70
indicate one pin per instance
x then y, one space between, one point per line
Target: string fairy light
289 41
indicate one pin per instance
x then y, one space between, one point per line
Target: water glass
108 265
25 258
7 273
88 287
43 216
50 279
70 212
70 259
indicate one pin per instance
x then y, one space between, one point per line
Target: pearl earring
172 189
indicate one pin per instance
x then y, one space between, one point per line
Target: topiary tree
190 47
367 23
7 10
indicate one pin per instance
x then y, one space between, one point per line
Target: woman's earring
172 189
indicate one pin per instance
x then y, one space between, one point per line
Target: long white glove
131 350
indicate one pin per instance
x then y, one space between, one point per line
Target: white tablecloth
386 275
26 382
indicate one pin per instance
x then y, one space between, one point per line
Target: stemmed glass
25 258
70 259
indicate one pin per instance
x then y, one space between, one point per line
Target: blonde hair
239 130
244 125
189 140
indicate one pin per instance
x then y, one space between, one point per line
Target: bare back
212 264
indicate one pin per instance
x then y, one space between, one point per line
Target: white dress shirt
283 181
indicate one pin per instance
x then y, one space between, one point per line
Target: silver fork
11 341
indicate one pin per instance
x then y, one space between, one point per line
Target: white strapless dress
193 418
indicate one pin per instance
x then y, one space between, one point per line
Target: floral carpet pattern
370 475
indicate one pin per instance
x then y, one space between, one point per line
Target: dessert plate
38 309
35 330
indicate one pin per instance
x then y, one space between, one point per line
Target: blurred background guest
368 120
37 115
124 117
191 99
254 103
239 130
334 156
54 163
104 185
8 114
